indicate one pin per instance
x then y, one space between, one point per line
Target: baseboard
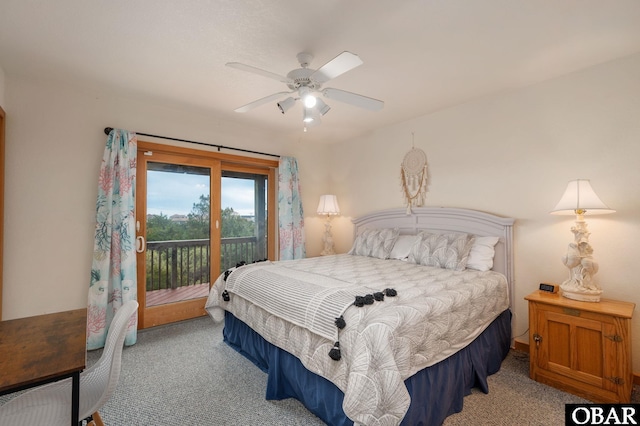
524 347
521 346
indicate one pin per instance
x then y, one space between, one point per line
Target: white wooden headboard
445 219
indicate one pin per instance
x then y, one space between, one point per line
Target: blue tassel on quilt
334 353
390 292
340 322
225 296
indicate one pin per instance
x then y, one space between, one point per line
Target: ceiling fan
307 83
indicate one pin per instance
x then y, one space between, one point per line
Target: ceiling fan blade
339 65
249 68
262 101
353 99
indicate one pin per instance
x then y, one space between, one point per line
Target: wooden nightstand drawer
581 347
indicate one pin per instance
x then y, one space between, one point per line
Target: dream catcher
414 178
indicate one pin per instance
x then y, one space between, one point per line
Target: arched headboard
445 219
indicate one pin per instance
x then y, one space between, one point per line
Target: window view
178 246
244 218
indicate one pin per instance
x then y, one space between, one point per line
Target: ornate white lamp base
581 285
327 239
580 294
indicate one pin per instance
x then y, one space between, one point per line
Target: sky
176 193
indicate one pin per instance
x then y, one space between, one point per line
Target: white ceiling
419 56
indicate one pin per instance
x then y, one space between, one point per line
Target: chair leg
97 420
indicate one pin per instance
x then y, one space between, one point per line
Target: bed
397 331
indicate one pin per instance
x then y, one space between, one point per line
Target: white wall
512 155
54 146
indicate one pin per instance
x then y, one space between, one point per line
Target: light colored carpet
514 399
184 374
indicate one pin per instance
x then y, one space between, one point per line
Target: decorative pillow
402 247
449 251
375 242
482 252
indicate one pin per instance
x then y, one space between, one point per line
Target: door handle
141 244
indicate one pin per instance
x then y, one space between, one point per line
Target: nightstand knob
537 338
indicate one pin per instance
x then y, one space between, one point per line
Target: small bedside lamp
580 199
328 206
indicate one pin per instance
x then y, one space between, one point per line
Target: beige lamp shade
580 197
328 205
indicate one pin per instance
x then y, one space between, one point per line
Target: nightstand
583 348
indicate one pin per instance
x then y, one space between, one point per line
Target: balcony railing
236 250
173 264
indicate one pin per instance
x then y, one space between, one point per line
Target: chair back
98 382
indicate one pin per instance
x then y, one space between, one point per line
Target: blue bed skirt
436 392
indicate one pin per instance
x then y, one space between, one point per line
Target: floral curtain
290 215
113 271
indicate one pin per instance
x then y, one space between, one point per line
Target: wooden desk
43 349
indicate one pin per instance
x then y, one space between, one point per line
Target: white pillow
481 254
402 246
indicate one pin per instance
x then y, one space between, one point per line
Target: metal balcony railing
173 264
236 250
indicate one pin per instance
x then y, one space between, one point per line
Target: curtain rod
108 130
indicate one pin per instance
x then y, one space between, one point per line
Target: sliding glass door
197 215
175 236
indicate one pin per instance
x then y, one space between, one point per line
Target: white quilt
435 313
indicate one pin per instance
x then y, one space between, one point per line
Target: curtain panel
290 214
113 271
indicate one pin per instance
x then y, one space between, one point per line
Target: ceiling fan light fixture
286 104
311 119
322 107
307 98
308 116
310 101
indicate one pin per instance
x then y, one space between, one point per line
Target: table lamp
328 206
580 199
